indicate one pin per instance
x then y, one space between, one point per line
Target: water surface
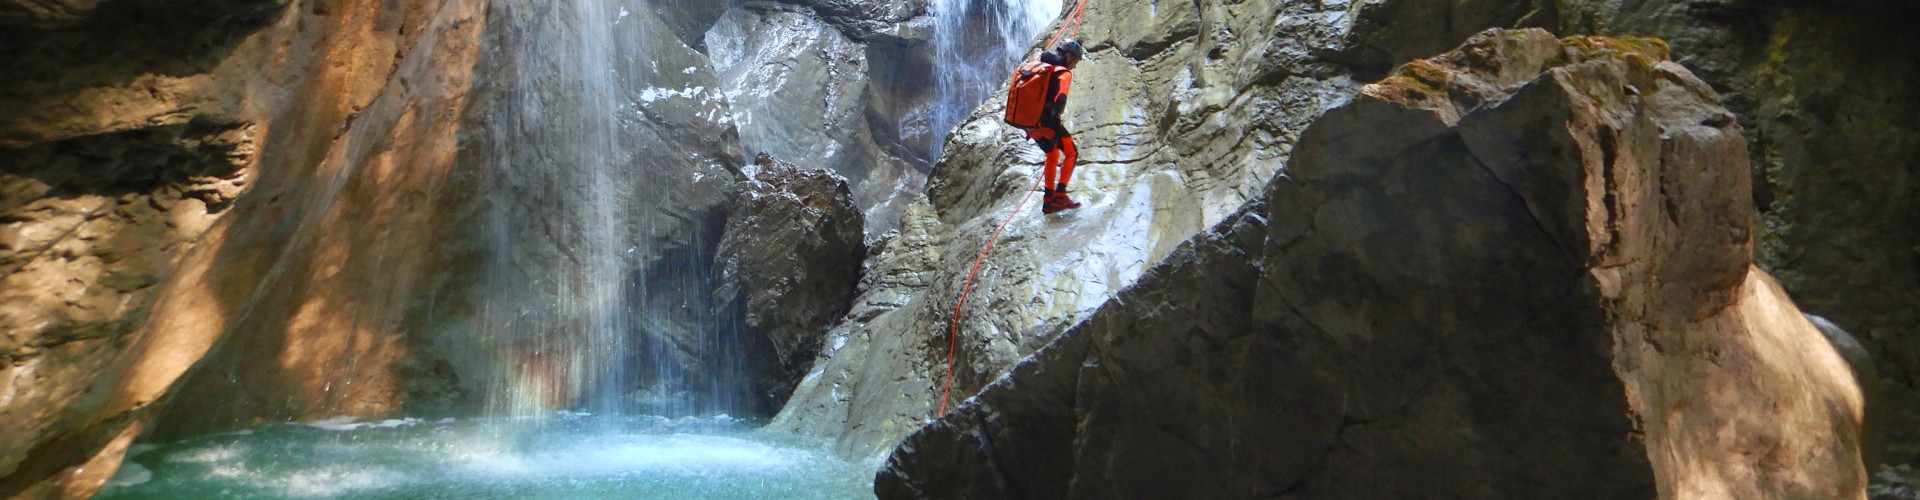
567 457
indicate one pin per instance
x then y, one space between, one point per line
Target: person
1052 134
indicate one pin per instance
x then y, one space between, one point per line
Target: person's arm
1058 104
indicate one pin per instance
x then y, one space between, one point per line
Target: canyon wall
180 117
283 211
1520 269
219 213
1826 92
1204 85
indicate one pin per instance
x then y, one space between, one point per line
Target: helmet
1072 47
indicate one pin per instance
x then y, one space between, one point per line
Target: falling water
554 346
977 43
591 340
588 304
596 288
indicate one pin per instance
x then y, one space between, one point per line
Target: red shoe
1051 204
1060 194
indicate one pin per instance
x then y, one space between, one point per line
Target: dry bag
1027 94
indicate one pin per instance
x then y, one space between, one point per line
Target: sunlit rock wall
1829 92
1519 270
310 205
131 129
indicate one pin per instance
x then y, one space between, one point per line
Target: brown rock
124 174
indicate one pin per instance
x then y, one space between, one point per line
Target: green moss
1420 77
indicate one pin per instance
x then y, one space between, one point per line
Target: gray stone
787 268
801 90
690 19
860 19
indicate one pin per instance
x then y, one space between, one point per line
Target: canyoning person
1036 98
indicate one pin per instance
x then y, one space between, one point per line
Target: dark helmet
1071 48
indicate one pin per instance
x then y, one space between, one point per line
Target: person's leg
1069 155
1051 164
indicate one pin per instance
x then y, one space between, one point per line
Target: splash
569 456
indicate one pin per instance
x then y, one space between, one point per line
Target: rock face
319 203
690 19
803 90
1829 93
861 19
1168 77
322 210
560 223
1176 131
1521 269
124 174
787 267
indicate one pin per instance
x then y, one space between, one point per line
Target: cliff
1206 100
1519 269
219 213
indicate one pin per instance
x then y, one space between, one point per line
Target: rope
953 338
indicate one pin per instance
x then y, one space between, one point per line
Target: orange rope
953 339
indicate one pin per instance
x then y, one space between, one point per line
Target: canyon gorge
1328 249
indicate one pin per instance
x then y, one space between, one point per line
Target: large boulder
787 267
1828 92
1518 270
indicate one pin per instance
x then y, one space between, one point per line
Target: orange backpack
1027 94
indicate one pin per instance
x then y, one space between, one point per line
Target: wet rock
802 91
564 197
1170 144
690 19
44 13
1386 34
860 19
787 267
1516 270
92 225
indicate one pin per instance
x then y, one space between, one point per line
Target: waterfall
594 297
554 335
977 43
